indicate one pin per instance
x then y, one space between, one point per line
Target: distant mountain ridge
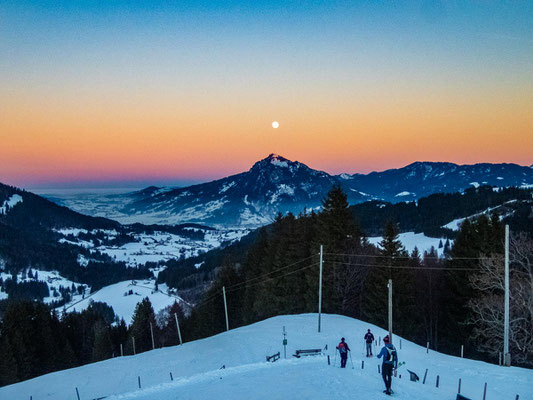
277 184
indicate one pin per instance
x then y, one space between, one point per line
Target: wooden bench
308 352
273 358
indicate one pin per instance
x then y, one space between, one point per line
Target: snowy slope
54 281
410 240
153 247
123 303
195 367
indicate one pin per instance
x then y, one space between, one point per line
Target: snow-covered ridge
10 203
197 374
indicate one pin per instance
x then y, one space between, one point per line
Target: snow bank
195 367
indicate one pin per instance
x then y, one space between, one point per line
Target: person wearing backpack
390 361
343 351
369 338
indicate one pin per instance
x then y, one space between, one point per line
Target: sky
120 93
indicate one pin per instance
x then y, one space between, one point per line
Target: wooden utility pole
506 354
320 289
178 326
152 332
390 310
225 307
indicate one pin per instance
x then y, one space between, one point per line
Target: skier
343 351
390 361
369 338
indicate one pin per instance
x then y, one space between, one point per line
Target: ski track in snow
197 375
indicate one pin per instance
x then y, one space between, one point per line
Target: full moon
275 124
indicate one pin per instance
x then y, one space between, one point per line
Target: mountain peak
272 157
274 160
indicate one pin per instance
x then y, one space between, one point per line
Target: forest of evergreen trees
279 275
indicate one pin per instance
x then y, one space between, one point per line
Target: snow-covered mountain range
276 184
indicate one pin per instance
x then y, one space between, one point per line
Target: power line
277 277
234 288
271 272
407 257
404 266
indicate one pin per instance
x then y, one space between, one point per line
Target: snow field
124 306
195 367
158 246
410 240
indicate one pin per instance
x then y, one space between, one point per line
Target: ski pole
351 359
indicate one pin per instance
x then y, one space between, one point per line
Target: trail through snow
195 367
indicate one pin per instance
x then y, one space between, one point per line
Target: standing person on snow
369 338
390 361
343 351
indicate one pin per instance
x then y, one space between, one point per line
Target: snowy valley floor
195 367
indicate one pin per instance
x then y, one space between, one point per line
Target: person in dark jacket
343 351
369 338
390 361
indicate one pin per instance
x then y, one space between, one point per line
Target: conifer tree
339 235
102 348
476 239
140 326
392 255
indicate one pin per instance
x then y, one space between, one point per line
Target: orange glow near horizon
88 141
195 101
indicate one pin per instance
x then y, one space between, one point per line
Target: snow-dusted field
410 240
123 303
157 246
195 367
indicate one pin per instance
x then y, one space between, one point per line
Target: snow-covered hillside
410 240
10 203
124 296
155 246
54 281
197 374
